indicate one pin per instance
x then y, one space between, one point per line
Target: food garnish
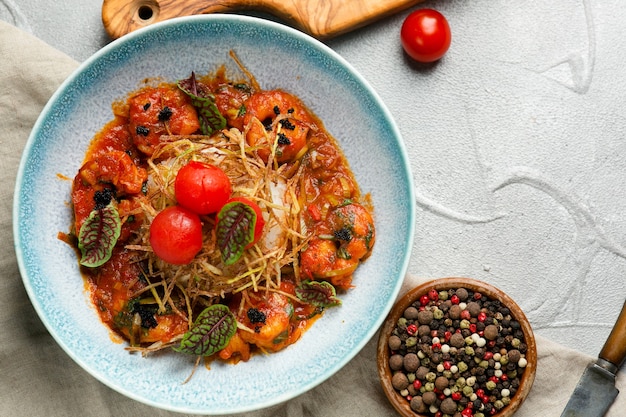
216 218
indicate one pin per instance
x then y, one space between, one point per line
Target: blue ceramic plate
278 57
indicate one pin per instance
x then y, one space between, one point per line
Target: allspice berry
394 342
411 362
399 381
457 340
396 362
429 397
454 312
491 332
411 313
441 383
514 355
417 405
425 317
462 294
473 308
448 406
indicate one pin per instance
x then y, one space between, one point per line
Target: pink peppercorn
465 314
417 384
436 347
472 328
447 335
477 296
482 316
480 393
424 300
411 329
467 412
433 295
488 355
455 299
456 396
447 365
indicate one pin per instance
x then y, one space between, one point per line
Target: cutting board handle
319 19
614 349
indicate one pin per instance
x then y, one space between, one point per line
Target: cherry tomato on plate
202 188
176 235
425 35
260 221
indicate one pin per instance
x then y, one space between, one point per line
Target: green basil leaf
98 235
235 230
317 293
210 333
211 120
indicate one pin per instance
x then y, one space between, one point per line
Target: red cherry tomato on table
260 221
176 235
202 188
425 35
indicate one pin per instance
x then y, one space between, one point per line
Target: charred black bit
287 124
343 234
283 140
146 106
267 124
290 111
146 312
242 110
276 110
165 114
142 276
102 198
142 130
256 316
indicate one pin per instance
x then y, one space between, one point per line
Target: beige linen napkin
39 379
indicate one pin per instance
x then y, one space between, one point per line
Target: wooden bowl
400 403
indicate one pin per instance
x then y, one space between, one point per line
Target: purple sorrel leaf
210 333
317 293
98 235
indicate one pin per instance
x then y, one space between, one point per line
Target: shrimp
230 100
275 116
114 292
269 320
108 175
156 111
117 168
268 315
341 242
236 350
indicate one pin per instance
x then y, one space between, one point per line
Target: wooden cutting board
319 18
